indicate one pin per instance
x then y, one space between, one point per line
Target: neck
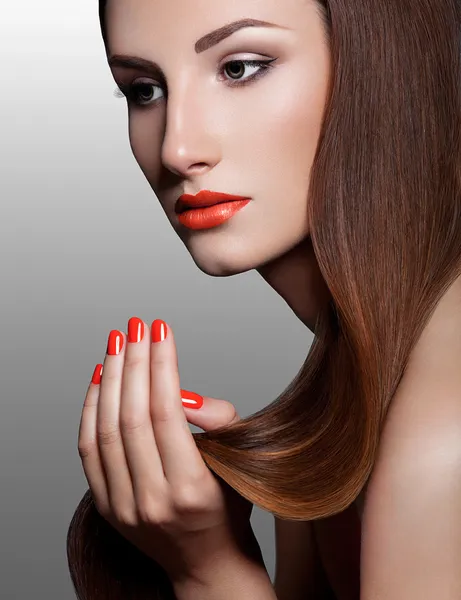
433 373
296 277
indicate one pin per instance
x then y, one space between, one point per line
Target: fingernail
191 399
159 330
97 375
135 330
115 342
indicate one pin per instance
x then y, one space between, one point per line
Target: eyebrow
216 36
204 43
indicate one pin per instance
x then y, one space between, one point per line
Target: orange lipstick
208 209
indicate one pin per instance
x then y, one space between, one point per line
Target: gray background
85 246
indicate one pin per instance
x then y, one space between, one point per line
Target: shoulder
411 525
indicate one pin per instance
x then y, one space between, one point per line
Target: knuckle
85 449
91 400
153 512
134 362
102 507
109 375
163 414
233 415
124 515
131 423
159 361
108 436
152 506
188 497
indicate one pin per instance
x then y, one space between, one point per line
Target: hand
145 473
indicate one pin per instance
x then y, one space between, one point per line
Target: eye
139 93
236 68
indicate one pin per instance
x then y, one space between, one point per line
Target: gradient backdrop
85 246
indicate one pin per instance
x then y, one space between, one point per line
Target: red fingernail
159 330
135 330
191 399
97 375
115 342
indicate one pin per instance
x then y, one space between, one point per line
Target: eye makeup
132 91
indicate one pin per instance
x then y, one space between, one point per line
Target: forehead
169 22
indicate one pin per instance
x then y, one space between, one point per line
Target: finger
135 419
88 447
179 454
213 413
108 426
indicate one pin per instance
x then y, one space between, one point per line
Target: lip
206 217
208 209
204 199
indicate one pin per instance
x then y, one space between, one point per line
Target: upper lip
204 198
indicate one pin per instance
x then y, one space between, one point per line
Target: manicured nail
115 342
159 330
97 375
191 399
135 330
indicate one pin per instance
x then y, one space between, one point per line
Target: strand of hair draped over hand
385 211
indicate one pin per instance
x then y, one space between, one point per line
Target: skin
213 150
210 135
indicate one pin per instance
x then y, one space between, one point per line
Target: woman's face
197 123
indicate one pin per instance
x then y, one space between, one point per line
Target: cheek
283 133
303 112
287 140
146 137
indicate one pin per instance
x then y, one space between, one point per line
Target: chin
225 267
221 255
226 256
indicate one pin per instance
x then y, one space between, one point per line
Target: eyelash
129 91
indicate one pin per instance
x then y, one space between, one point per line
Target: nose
189 145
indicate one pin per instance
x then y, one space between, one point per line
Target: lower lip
210 216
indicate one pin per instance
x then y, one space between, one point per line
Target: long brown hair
385 212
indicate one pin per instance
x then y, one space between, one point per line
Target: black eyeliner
129 90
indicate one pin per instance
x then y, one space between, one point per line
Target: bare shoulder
411 523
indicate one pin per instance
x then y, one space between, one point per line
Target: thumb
212 414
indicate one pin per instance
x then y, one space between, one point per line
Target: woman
336 124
